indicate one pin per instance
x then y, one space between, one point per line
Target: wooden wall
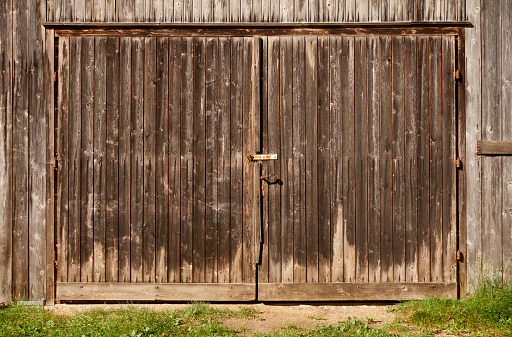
489 117
255 10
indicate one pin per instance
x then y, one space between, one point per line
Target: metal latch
259 157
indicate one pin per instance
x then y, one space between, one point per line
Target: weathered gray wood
473 83
6 206
487 147
354 291
156 292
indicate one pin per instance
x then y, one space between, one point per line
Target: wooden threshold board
354 291
485 147
225 292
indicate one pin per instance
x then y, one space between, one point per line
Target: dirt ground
270 317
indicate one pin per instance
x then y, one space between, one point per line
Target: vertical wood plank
350 10
336 158
75 130
473 94
112 162
62 151
274 11
324 176
362 11
99 10
199 171
168 11
300 10
206 10
376 71
139 10
20 159
424 60
236 160
298 146
99 166
175 163
37 167
125 108
348 155
311 136
436 161
235 10
110 10
411 161
86 161
162 160
79 11
125 10
49 71
399 176
187 164
449 157
150 160
361 155
492 177
224 160
386 158
274 141
375 7
286 10
137 160
211 188
287 62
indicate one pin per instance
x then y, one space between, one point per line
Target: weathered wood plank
75 145
323 161
162 160
354 291
449 157
175 99
99 166
361 158
37 166
62 145
286 61
274 141
473 83
199 171
436 161
150 161
348 140
492 178
375 67
187 159
486 147
20 156
211 188
86 162
6 124
156 292
399 176
237 158
137 160
311 177
301 10
235 10
112 162
423 154
224 160
336 158
125 10
125 100
49 96
286 10
220 11
362 11
411 161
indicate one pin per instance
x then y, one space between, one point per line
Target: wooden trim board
354 291
225 292
484 147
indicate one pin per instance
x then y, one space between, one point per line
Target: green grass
485 313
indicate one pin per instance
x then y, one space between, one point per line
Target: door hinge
458 75
459 255
458 163
55 77
56 162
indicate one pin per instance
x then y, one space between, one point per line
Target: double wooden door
156 199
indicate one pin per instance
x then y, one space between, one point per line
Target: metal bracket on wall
260 157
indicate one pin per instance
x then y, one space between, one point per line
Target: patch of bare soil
270 318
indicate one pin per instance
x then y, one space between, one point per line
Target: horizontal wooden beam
172 292
354 291
484 147
252 29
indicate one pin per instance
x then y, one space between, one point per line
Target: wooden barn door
365 131
155 197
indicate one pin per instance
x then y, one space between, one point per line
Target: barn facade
236 150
